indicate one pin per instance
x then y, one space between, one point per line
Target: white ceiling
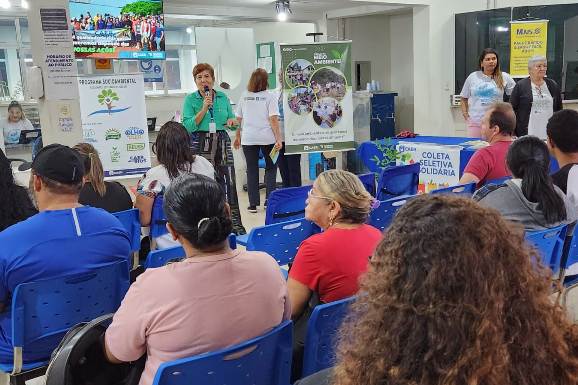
264 10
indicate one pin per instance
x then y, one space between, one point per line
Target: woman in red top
329 264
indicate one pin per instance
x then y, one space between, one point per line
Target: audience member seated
214 298
454 296
530 198
15 205
63 238
110 196
329 264
498 125
562 131
174 154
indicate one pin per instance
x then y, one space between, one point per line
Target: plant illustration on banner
389 154
107 96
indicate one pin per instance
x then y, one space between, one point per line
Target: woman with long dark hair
110 196
215 297
455 296
530 197
175 156
482 88
15 205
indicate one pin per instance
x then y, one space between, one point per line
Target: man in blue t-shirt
63 238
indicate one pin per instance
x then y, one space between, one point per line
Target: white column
52 111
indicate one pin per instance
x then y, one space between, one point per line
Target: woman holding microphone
259 111
206 115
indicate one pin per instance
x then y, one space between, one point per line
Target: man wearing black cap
63 238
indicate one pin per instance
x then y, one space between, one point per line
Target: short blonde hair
346 189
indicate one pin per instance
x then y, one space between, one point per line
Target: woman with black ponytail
215 297
529 198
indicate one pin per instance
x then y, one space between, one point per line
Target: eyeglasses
311 195
539 91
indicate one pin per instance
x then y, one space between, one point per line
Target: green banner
266 60
317 97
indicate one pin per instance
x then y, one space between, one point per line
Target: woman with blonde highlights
330 263
110 196
455 296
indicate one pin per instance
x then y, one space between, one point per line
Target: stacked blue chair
550 244
281 240
264 360
381 217
321 339
570 281
461 189
130 219
158 226
395 181
368 181
43 311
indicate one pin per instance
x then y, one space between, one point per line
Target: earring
331 220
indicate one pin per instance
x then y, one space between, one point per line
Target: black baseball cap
59 163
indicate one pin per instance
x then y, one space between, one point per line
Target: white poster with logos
439 164
114 121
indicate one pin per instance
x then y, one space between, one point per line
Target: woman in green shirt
206 115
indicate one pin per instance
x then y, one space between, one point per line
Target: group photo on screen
124 29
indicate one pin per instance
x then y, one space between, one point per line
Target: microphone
208 93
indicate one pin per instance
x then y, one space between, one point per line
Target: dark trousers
290 168
252 158
216 148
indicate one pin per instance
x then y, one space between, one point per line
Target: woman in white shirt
14 124
259 113
483 88
174 154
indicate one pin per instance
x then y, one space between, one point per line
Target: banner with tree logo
113 114
317 97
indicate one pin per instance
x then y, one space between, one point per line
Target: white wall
370 42
401 65
291 33
434 58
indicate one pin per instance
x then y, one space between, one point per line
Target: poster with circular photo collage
318 91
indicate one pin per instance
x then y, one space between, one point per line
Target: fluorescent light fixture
24 4
189 30
5 4
283 9
502 29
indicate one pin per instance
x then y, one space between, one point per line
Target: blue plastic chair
398 180
498 180
43 311
320 340
381 217
130 219
158 226
368 181
550 244
286 204
281 240
159 258
460 189
265 360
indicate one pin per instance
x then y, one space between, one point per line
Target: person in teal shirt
206 118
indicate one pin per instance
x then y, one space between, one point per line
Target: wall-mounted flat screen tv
118 29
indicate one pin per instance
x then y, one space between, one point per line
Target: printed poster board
317 97
439 164
114 121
